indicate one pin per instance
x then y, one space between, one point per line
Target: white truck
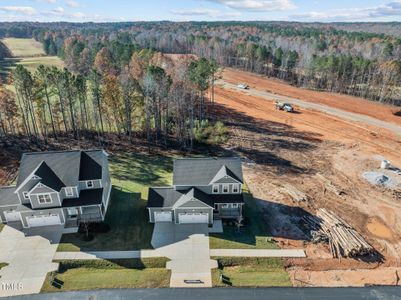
284 106
243 86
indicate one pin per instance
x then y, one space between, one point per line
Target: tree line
150 96
306 55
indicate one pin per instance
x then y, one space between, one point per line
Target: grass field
101 274
253 235
250 272
24 47
127 215
28 53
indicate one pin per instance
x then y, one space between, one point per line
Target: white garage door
46 220
190 218
12 216
163 216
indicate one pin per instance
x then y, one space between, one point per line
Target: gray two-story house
58 188
203 189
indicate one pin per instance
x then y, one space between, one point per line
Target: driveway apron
187 246
29 259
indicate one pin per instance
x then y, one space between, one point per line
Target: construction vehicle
243 86
284 106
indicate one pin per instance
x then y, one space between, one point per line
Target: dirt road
329 139
316 106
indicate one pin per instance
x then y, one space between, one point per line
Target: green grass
127 215
251 272
101 274
253 235
1 226
24 47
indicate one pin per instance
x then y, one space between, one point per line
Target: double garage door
193 218
45 220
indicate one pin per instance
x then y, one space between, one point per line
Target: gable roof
61 168
193 198
223 173
48 177
202 171
168 197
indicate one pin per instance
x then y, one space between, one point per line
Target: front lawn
253 235
102 274
127 215
250 272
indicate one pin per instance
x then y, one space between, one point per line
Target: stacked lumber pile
344 240
328 185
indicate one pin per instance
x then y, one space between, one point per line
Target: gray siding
75 191
26 188
106 182
57 211
96 185
55 201
208 188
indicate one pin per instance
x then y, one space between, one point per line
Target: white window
89 184
235 188
26 196
225 189
44 198
69 192
234 205
215 189
224 206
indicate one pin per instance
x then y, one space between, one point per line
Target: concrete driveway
29 258
187 245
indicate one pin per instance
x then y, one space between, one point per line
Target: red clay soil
325 127
340 101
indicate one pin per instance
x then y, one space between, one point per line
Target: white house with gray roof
203 189
58 188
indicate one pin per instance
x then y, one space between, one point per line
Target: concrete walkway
29 259
106 255
258 252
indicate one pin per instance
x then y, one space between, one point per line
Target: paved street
367 293
29 259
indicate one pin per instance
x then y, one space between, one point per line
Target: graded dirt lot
289 150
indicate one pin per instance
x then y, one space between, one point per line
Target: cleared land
28 53
290 150
24 47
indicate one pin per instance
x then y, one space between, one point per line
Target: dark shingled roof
168 196
48 177
8 197
65 165
201 171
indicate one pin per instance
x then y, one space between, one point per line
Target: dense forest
316 56
120 79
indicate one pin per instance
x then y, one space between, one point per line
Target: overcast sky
200 10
